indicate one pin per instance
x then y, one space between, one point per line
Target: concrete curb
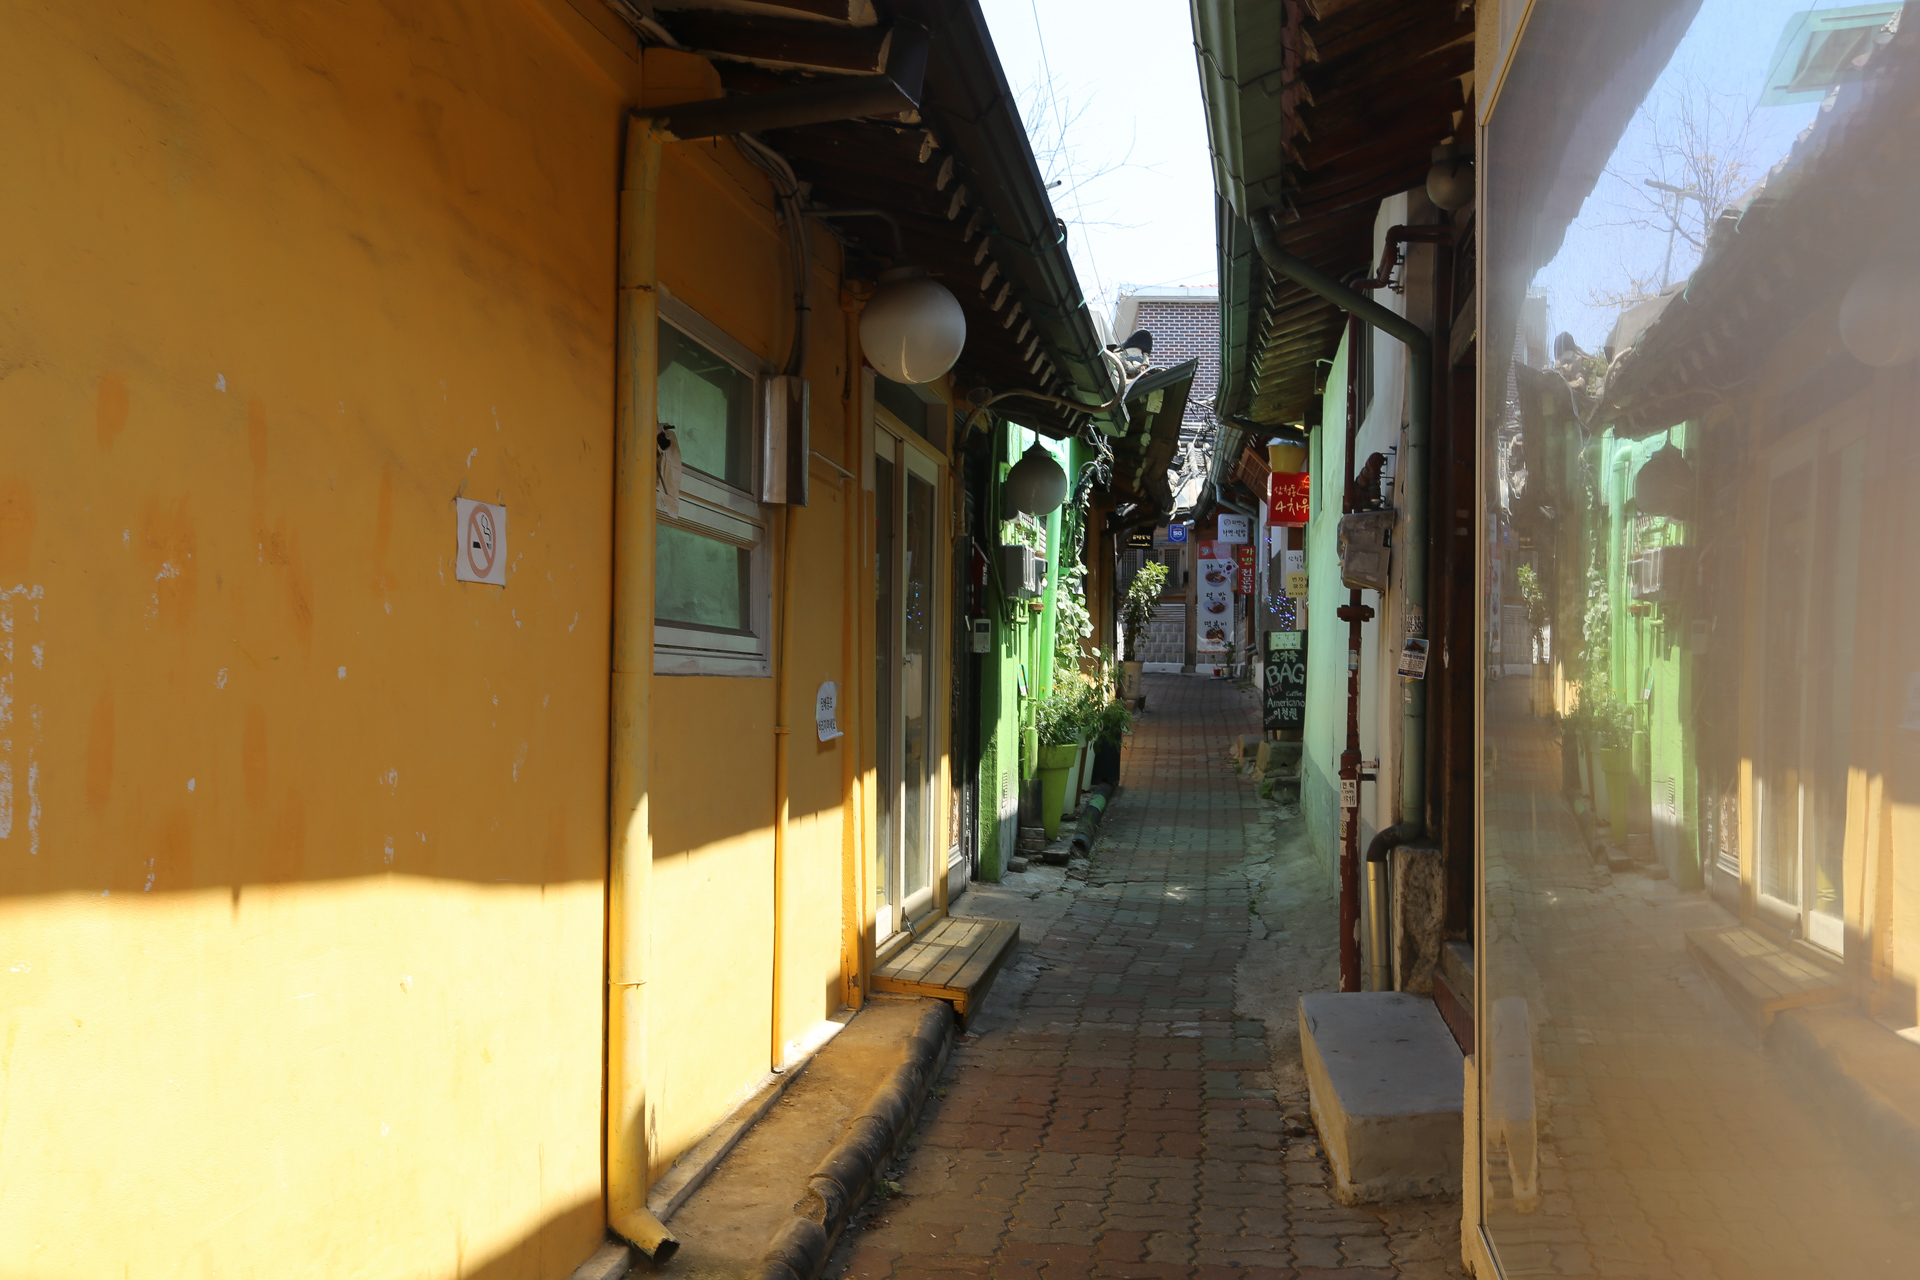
842 1181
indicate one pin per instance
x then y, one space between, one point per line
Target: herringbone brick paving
1119 1119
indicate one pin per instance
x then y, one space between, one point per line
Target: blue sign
1176 533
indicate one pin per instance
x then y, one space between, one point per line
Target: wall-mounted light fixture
1450 180
1880 315
1287 453
912 328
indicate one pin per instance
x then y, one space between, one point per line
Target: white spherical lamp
1450 180
913 328
1036 485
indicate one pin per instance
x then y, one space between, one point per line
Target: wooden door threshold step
1762 977
956 961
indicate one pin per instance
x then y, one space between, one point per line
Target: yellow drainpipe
630 874
781 801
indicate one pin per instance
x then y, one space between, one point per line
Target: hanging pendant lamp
912 329
1036 485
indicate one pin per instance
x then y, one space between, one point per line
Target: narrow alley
1130 1102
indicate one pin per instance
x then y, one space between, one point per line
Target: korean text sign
1287 499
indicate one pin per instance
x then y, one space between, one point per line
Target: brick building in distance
1185 323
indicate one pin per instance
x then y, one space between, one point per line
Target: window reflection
1700 854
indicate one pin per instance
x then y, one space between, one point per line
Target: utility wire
1060 118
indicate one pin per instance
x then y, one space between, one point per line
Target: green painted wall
1023 642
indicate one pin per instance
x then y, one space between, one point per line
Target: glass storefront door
907 658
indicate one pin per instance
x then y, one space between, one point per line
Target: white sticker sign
1413 659
826 711
482 552
1349 793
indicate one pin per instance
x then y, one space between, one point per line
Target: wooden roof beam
782 44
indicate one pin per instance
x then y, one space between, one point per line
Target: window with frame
711 589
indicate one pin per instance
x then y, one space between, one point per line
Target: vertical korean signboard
1243 560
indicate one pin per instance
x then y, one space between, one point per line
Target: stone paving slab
1116 1112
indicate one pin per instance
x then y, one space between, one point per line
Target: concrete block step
1385 1080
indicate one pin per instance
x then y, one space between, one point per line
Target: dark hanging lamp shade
1664 485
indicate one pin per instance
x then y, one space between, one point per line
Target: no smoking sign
482 553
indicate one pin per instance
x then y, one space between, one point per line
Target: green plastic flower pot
1055 764
1617 764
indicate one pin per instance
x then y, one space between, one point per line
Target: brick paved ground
1113 1112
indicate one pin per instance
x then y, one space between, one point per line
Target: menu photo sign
1216 571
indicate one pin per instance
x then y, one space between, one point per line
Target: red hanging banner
1243 557
1287 499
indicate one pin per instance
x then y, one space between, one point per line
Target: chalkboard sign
1286 680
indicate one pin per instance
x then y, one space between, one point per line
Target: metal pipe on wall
1353 613
1413 707
630 842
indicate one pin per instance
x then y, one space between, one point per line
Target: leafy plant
1608 721
1072 624
1535 602
1142 598
1114 720
1059 716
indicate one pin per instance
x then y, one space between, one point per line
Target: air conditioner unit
1020 571
1661 575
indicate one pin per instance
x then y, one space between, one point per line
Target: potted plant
1534 598
1612 725
1057 724
1115 722
1136 614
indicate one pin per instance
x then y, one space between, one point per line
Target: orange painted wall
301 876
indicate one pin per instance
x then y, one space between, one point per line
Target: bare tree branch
1698 158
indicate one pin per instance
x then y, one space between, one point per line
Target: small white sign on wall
482 553
1233 529
826 711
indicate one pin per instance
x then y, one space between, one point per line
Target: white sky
1124 83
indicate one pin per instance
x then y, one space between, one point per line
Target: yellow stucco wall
301 880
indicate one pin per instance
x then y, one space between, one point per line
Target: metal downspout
630 852
1413 706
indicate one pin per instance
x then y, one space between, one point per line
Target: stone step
1386 1083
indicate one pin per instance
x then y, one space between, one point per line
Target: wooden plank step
957 962
1761 976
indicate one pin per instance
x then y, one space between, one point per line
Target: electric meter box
1366 549
1020 571
982 631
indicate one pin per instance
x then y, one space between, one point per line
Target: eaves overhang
957 176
